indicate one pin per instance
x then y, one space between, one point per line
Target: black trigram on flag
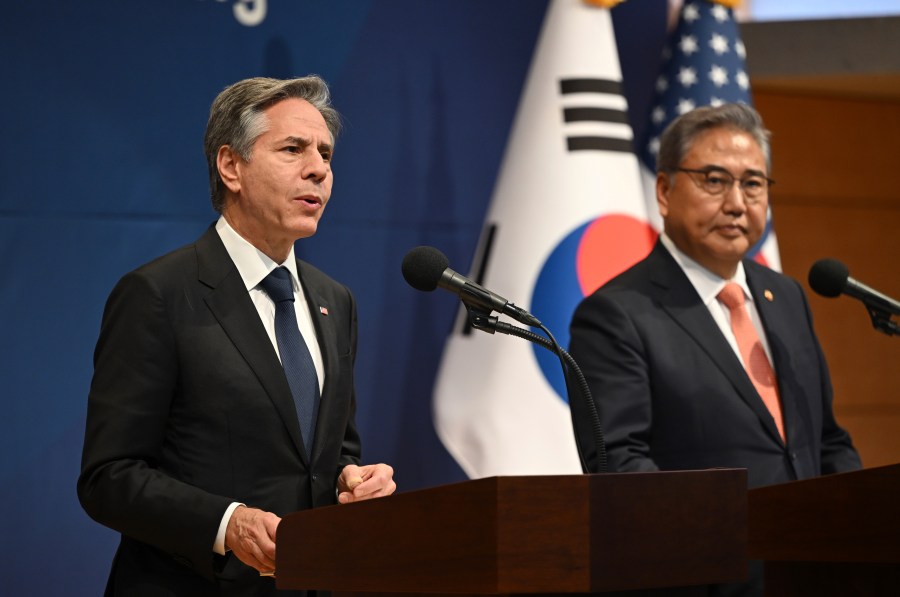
594 91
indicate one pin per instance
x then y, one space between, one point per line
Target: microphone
426 268
830 277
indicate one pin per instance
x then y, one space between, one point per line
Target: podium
526 535
832 535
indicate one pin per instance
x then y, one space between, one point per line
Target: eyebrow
306 143
751 172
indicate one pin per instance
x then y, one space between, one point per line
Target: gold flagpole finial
729 3
603 3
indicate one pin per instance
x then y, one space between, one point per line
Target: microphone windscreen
828 277
423 267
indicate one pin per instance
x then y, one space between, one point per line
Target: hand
357 483
250 535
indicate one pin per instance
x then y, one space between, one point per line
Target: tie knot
278 285
732 296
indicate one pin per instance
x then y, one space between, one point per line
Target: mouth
731 230
309 200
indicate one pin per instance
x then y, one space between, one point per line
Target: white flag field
567 213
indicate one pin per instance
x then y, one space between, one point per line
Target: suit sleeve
351 446
611 353
122 484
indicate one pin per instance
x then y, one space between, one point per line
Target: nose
734 201
315 166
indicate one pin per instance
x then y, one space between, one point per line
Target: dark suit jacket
673 395
190 410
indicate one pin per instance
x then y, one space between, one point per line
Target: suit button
793 456
315 477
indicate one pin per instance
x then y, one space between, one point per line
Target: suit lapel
232 307
679 299
327 338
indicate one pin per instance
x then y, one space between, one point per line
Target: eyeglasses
717 181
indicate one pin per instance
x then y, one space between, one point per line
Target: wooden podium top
847 517
540 534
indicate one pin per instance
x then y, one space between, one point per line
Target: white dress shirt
253 265
708 285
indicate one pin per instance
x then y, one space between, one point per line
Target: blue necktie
295 358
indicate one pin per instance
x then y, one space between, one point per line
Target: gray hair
681 133
237 119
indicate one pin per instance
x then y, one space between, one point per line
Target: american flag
703 63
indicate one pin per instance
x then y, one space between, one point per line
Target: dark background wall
103 110
103 107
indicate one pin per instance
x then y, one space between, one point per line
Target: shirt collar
707 284
252 264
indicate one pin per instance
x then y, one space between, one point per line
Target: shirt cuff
219 545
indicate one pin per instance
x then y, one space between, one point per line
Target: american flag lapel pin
323 310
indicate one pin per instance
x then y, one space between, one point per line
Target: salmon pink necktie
752 353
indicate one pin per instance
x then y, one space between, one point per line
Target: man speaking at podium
699 358
223 394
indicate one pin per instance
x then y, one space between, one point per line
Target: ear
662 193
227 162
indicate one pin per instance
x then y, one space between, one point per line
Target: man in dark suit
682 379
198 439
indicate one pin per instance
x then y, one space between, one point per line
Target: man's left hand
357 483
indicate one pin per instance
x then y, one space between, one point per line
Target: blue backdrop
104 105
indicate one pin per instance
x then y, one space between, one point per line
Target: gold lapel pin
769 296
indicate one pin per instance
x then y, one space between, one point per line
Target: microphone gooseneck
426 268
570 367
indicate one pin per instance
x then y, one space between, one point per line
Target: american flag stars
718 75
718 43
687 76
703 65
688 45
